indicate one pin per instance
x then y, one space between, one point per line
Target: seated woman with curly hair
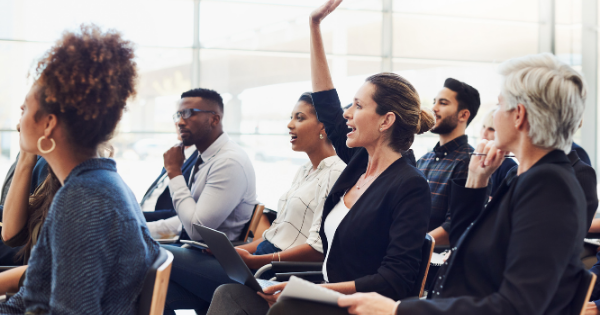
94 249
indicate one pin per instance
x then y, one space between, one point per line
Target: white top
150 203
223 194
300 209
333 220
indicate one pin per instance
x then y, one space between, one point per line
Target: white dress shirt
300 209
223 194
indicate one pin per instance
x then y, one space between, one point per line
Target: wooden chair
250 228
583 293
156 282
426 254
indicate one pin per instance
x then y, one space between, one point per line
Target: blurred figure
488 133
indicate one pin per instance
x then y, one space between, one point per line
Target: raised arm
14 216
320 75
326 101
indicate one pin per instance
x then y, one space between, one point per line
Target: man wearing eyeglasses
221 190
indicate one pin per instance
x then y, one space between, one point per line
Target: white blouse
300 209
333 220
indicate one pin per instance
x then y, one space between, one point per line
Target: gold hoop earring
321 136
39 145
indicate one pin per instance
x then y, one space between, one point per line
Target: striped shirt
446 162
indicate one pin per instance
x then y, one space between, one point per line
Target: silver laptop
230 260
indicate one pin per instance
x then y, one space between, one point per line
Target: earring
321 136
39 145
380 129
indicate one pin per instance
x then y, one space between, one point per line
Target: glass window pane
512 10
567 11
285 28
260 89
164 73
145 22
347 4
17 59
441 38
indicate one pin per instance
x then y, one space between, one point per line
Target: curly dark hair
85 80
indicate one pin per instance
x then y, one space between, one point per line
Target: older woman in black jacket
519 254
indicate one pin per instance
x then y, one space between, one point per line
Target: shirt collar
189 151
214 148
451 145
92 164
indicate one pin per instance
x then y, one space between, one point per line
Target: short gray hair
553 94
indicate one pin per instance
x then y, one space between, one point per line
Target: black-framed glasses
188 112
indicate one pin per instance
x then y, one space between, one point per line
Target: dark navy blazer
164 205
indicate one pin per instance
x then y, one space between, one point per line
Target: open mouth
294 137
352 130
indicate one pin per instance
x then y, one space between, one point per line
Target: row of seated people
363 205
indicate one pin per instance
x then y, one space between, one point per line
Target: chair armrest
296 266
312 276
440 248
592 235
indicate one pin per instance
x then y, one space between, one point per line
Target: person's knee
283 307
225 292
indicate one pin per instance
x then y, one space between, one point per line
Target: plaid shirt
450 161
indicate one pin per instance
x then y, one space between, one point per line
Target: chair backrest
156 282
583 293
250 227
426 253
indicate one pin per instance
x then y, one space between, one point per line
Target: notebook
298 288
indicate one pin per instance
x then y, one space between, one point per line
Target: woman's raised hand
323 11
484 165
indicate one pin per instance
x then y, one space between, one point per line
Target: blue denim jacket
93 250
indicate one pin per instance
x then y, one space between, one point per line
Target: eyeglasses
188 112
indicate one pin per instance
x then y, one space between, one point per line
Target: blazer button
437 159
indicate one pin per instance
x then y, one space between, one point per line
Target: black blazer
164 208
378 243
587 179
521 253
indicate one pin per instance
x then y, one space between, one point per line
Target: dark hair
208 94
85 80
466 95
306 97
395 94
37 211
